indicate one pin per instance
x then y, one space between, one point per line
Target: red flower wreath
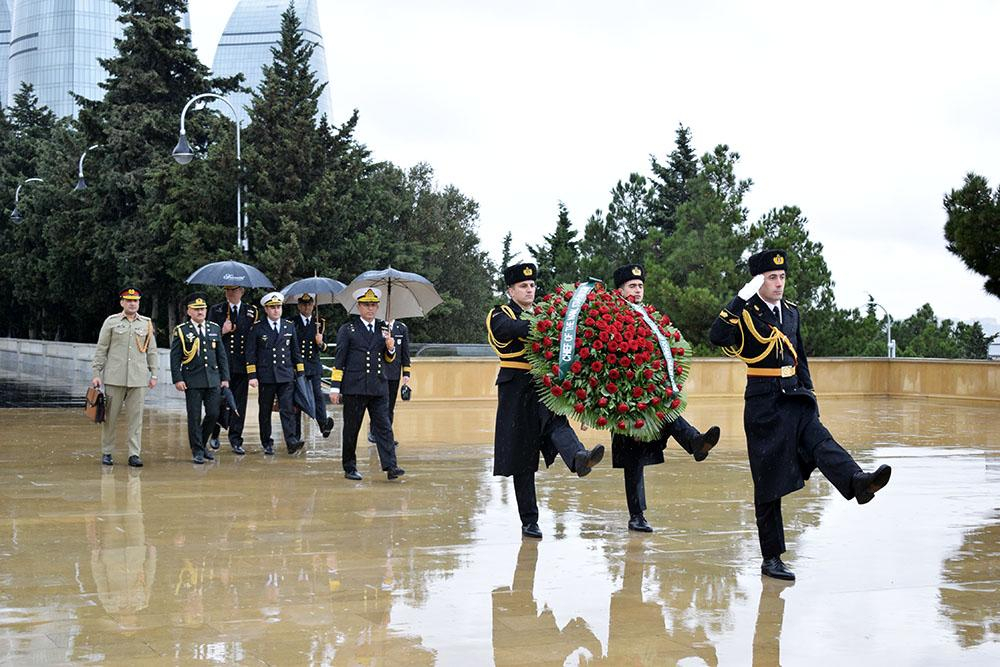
616 375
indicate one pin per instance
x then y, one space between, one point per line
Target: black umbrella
229 272
403 294
303 397
324 289
227 408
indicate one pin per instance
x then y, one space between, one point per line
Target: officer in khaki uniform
199 366
786 441
125 364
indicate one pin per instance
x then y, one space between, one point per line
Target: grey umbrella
325 289
229 272
403 294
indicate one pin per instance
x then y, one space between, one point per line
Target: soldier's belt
523 365
783 372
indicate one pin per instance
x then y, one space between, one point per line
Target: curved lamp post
15 215
184 154
80 183
890 346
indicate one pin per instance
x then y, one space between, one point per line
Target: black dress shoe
584 461
198 458
531 530
703 443
213 443
269 448
327 428
774 568
238 449
296 446
395 472
865 484
371 437
637 522
135 461
352 474
107 460
209 456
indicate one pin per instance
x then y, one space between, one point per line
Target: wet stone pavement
281 561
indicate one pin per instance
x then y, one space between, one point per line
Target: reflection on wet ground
282 561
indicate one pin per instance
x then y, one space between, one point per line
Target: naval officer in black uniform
199 366
273 362
309 328
786 441
525 427
633 455
236 318
364 348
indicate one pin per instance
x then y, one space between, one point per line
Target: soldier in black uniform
364 348
309 329
398 370
525 427
236 318
785 439
199 366
632 455
273 362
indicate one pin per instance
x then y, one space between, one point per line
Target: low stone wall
67 366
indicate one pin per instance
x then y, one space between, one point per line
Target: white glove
751 287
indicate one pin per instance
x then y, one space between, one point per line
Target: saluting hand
751 287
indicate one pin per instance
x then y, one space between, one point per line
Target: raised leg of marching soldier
691 440
563 438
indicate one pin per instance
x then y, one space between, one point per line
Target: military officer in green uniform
125 364
786 441
309 328
525 427
199 366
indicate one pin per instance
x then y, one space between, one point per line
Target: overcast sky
863 114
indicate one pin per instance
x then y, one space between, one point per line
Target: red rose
602 421
556 390
612 358
656 364
535 347
677 335
647 374
596 366
550 310
588 333
680 352
626 362
607 317
555 369
567 295
597 345
546 341
593 381
584 352
621 425
660 415
567 385
547 380
576 367
538 310
544 325
589 322
636 392
548 354
581 393
655 400
630 374
604 336
642 406
669 392
559 324
675 403
614 374
622 408
639 423
602 401
611 387
578 407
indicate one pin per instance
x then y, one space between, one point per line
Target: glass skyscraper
4 43
245 47
54 45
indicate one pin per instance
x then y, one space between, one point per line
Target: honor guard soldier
236 318
525 427
632 455
199 366
785 439
364 348
125 364
309 328
273 363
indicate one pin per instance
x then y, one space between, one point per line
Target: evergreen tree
506 259
558 256
670 184
973 229
809 284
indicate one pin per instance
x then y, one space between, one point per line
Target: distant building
54 45
245 47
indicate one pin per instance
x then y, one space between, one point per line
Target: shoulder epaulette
790 304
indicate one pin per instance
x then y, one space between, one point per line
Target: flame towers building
54 45
253 28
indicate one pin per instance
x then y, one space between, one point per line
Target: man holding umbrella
364 348
273 363
235 318
199 366
309 328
